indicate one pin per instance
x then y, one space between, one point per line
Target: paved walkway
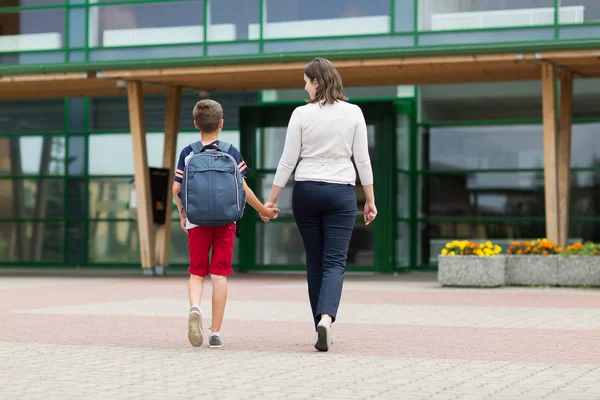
396 338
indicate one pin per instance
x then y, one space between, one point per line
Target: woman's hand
370 212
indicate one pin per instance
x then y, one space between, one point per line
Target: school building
483 118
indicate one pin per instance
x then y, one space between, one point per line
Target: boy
208 119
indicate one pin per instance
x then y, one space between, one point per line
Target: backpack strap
224 146
197 147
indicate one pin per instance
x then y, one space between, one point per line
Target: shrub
535 247
468 248
581 249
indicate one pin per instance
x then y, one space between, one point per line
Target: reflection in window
590 9
280 243
113 242
442 15
113 154
32 30
108 198
313 18
29 241
146 24
32 116
484 147
226 25
32 155
32 198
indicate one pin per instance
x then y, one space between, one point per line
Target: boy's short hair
208 114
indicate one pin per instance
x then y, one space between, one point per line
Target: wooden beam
550 150
564 156
135 97
163 233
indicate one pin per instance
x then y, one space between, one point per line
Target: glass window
112 113
263 189
75 242
32 116
484 194
585 146
585 194
76 155
32 242
444 15
484 147
108 198
280 243
32 30
113 242
403 195
270 143
583 231
75 198
225 25
404 16
77 27
76 114
403 244
30 3
313 18
403 133
32 155
492 36
113 154
578 11
434 236
230 101
146 24
32 198
371 42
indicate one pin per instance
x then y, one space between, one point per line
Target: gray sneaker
215 340
195 335
323 337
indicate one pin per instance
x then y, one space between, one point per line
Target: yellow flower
481 254
448 245
444 252
488 244
452 253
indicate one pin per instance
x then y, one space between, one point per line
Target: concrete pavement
396 338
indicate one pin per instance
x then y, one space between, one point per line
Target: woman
325 134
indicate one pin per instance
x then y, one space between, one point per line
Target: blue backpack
212 191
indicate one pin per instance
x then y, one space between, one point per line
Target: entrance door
278 244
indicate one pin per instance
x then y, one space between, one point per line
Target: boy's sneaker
214 339
195 335
323 338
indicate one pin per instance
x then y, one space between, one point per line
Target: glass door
278 244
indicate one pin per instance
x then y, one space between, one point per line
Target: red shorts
200 241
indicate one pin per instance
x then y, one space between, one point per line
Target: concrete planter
525 270
579 271
471 271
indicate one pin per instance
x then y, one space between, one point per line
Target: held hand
183 221
370 213
269 204
269 214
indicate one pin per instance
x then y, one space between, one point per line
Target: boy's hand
269 214
183 220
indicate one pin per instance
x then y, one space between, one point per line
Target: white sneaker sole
195 330
323 338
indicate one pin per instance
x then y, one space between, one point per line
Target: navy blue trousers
325 214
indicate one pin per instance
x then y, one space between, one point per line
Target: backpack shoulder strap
196 147
224 146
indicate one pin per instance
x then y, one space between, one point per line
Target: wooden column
550 151
564 155
163 233
135 98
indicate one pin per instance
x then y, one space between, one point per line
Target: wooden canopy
546 66
285 75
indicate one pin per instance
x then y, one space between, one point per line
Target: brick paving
398 337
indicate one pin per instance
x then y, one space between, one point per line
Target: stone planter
579 271
528 270
471 271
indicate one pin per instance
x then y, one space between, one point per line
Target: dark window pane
76 155
584 231
31 3
32 30
75 198
32 198
226 25
27 241
76 114
32 155
230 101
75 242
483 147
434 236
116 242
585 146
112 113
32 116
484 194
108 198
